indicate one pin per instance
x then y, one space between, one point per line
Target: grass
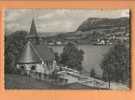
15 81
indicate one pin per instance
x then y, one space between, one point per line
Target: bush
14 44
116 66
72 56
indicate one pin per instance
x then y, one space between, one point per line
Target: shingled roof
45 52
29 55
36 54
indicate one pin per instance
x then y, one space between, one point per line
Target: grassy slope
23 82
13 81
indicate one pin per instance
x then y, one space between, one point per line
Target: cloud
64 26
46 16
12 15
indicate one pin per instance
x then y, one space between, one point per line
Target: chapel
36 56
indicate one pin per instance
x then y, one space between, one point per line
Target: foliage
92 73
14 44
72 56
116 65
57 57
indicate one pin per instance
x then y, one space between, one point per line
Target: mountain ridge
102 22
94 30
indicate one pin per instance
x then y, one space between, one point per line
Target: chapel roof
29 55
45 52
36 54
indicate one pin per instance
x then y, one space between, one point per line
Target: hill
96 23
97 31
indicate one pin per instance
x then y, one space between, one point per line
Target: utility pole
109 82
108 76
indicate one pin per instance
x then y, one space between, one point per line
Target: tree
92 73
57 57
14 44
115 65
72 56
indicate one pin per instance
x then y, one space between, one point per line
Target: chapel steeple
33 36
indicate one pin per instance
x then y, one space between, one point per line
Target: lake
93 56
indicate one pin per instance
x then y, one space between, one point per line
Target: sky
55 20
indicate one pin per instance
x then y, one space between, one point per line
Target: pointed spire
29 55
33 30
33 33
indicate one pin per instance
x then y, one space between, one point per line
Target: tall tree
72 56
116 65
14 44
